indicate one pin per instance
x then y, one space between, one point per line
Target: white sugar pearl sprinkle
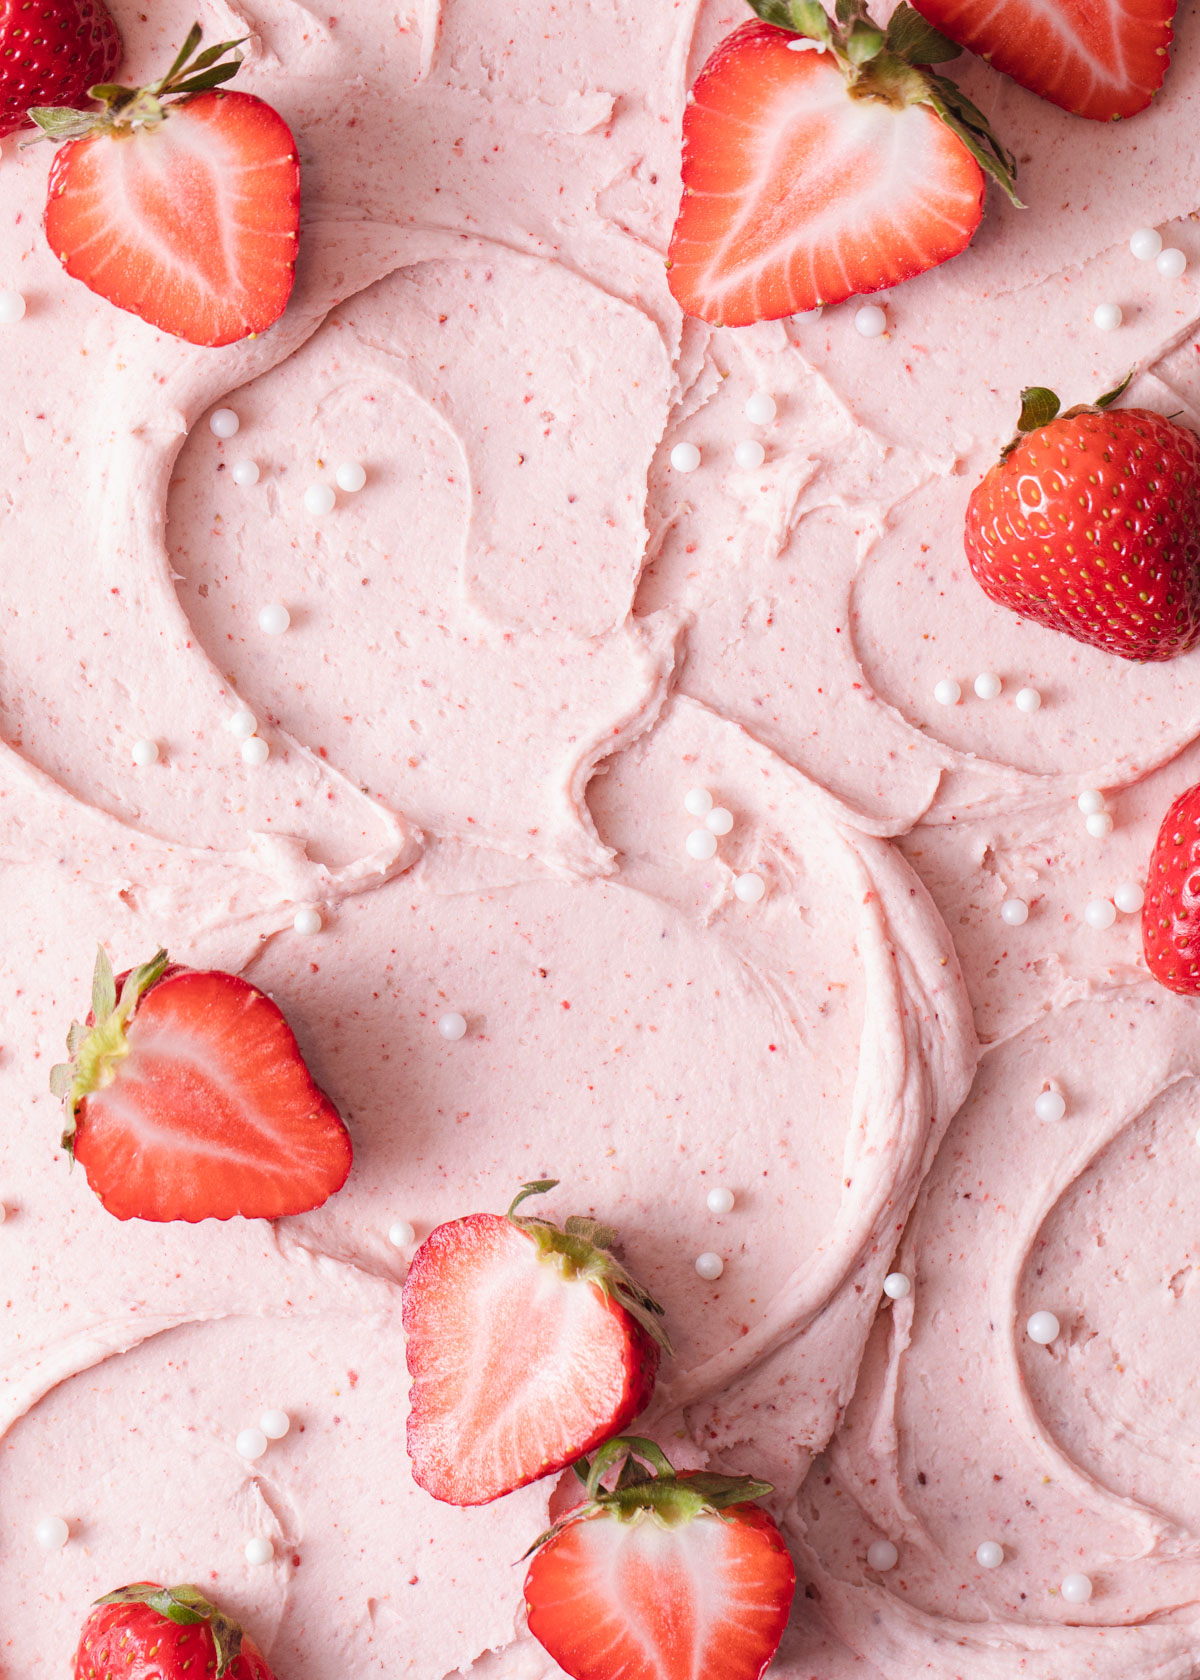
242 725
1107 317
274 1424
897 1286
1050 1105
1099 824
453 1027
701 844
251 1443
401 1234
351 476
685 457
719 820
882 1555
988 685
1100 913
1076 1589
307 922
709 1266
1027 700
697 802
948 692
260 1550
245 473
319 500
1014 912
749 454
52 1533
1171 263
3 1213
1090 802
749 888
144 753
12 308
274 619
1146 243
223 423
870 321
1042 1328
255 750
1129 897
989 1554
720 1201
760 409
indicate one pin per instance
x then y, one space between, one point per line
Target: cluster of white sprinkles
987 686
1147 246
701 843
1096 818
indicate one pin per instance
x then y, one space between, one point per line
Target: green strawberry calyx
1040 406
186 1606
97 1046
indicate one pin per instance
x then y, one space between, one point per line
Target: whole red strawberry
148 1632
51 53
661 1577
528 1345
187 1097
1171 910
1090 524
823 159
179 202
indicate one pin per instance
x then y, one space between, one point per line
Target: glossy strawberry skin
51 53
1091 526
1171 911
134 1642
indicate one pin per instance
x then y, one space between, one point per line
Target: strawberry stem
124 109
186 1606
96 1048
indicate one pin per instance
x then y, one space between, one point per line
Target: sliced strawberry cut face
517 1367
1102 59
798 194
211 1112
191 224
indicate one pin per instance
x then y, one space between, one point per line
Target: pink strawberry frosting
511 654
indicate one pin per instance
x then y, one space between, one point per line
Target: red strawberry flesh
1171 911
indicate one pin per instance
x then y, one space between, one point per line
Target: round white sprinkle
401 1234
1090 801
720 1201
749 888
1042 1328
749 454
251 1443
896 1286
1027 700
351 476
697 802
1099 824
710 1266
274 1424
259 1550
1100 913
223 423
701 844
988 685
1050 1105
1076 1589
274 619
255 750
870 321
12 308
144 753
3 1213
1171 263
760 409
685 457
1014 912
241 725
453 1027
719 820
989 1554
1146 243
245 473
1129 897
52 1533
1107 317
307 922
948 692
882 1556
319 499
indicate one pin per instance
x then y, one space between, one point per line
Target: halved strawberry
179 202
52 53
1099 61
819 161
664 1577
1171 911
527 1345
187 1098
148 1632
